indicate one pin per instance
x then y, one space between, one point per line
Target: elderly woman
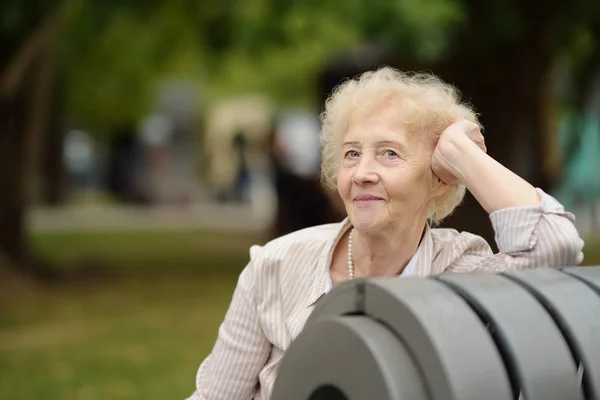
401 150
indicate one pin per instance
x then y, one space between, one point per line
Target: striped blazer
277 290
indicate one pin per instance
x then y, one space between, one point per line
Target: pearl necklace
350 262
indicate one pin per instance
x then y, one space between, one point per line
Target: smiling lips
366 199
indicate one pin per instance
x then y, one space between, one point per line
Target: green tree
27 71
29 94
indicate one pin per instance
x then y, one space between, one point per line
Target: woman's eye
390 153
351 154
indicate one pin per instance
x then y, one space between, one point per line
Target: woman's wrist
468 158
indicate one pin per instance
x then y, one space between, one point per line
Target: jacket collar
318 289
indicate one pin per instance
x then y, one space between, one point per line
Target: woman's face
385 179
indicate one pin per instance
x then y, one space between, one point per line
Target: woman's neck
385 253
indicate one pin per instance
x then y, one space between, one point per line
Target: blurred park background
145 145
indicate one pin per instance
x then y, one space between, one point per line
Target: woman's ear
438 187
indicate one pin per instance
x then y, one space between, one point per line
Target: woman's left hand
455 142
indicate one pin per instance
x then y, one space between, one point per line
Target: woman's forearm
494 186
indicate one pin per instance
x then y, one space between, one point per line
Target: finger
476 137
471 126
466 126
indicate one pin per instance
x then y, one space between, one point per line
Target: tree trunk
13 117
506 84
24 96
24 117
37 126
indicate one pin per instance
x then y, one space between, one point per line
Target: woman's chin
364 222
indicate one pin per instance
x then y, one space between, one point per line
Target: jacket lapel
319 278
425 264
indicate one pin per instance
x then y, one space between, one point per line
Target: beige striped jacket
276 291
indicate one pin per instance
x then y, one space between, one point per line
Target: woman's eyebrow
392 143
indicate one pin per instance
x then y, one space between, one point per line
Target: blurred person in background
294 151
401 150
124 167
237 133
242 176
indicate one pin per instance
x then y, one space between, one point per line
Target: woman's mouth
365 200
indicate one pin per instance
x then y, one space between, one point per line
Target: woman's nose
365 172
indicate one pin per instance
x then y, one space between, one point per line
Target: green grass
591 251
138 335
186 250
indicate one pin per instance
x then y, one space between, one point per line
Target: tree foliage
117 50
114 52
